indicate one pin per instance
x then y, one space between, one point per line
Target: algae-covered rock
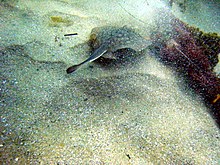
210 43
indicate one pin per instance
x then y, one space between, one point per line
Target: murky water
135 111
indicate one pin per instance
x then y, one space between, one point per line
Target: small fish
111 39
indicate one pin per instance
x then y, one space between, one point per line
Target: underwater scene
115 82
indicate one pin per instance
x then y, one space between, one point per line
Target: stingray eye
93 36
96 44
94 41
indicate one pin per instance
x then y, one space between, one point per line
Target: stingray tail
98 53
73 68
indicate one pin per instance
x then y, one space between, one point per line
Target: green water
135 113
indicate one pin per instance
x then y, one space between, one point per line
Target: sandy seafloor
138 113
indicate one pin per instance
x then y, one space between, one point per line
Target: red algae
190 52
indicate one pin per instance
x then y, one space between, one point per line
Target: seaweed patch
193 54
